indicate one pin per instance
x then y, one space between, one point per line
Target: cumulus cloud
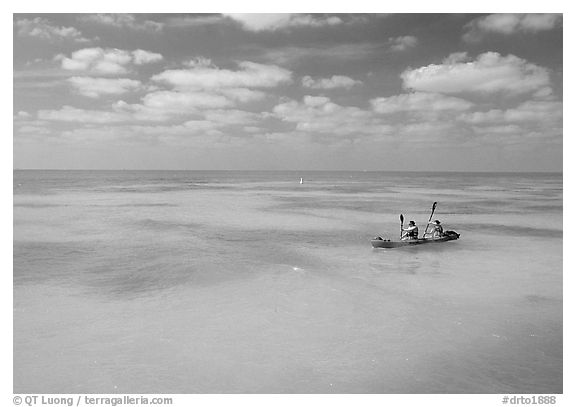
403 43
183 102
123 21
42 29
96 87
232 116
507 24
194 20
318 114
107 61
529 111
242 95
336 81
419 101
73 114
205 86
22 115
166 105
489 73
142 57
199 62
271 22
250 75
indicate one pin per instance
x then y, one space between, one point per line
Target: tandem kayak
389 244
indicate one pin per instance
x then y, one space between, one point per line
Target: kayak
390 244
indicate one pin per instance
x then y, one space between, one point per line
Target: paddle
430 218
401 225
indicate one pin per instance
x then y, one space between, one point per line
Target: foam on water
184 282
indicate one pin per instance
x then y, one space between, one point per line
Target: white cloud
232 116
167 105
142 57
200 62
72 114
507 24
22 115
419 101
250 75
532 111
123 21
107 61
403 43
318 114
184 101
95 87
194 21
489 73
336 81
41 28
242 95
271 22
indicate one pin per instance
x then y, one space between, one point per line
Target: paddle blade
434 206
401 218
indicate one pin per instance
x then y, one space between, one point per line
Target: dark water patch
545 208
542 300
35 262
137 271
143 205
34 205
167 226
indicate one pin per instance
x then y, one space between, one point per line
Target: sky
422 92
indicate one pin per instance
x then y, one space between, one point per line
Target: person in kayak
411 231
437 229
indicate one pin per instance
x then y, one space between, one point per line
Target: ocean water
249 282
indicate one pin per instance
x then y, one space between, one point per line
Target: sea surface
250 282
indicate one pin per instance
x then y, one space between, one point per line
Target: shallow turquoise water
248 282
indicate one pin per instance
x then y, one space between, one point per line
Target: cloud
184 101
75 115
507 24
95 87
250 75
336 81
123 21
107 61
194 20
232 116
199 62
167 105
318 114
242 95
489 73
142 57
22 115
403 43
42 29
531 111
271 22
419 101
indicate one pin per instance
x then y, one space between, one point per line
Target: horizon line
297 170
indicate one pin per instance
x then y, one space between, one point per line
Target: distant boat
301 180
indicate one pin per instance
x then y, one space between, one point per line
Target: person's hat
437 221
412 222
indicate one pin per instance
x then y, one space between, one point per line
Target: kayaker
437 229
411 231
